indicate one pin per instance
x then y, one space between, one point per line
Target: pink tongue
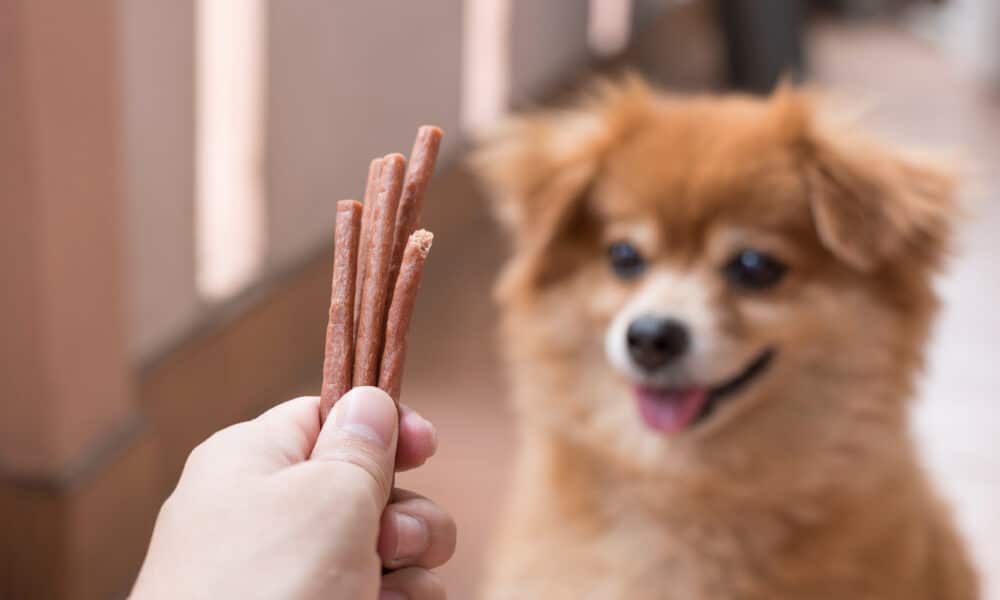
670 411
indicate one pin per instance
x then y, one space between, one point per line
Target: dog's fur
806 483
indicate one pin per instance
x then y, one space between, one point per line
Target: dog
713 317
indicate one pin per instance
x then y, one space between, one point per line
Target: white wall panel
349 81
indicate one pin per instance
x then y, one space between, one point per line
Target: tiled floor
455 379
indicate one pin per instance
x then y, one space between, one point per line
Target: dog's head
705 273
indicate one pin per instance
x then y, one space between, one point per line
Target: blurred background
168 174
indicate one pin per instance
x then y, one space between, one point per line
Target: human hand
282 507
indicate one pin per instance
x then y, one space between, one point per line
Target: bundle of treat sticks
379 257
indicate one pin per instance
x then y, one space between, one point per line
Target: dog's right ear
538 170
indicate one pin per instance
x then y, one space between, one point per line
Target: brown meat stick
411 203
397 325
375 289
339 354
371 191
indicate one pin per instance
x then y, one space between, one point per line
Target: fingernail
411 537
391 595
367 412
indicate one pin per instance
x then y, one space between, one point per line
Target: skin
284 506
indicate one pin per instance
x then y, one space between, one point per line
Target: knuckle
364 498
168 509
366 456
433 587
448 536
418 583
203 451
354 487
198 455
221 437
441 527
202 457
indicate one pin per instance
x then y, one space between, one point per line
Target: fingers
292 427
412 584
300 414
415 531
279 438
417 439
358 440
287 433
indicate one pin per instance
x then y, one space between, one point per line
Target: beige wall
64 373
157 52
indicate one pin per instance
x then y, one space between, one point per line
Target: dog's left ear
870 205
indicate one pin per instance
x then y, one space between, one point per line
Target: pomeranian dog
713 317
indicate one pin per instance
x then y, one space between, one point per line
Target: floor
454 377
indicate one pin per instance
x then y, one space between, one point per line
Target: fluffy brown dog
714 315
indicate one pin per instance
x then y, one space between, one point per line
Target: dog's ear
869 204
870 207
538 170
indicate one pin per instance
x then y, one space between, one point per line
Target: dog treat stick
397 325
411 203
339 354
375 287
371 191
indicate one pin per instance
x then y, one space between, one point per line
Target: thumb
360 436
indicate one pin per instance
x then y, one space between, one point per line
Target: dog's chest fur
625 538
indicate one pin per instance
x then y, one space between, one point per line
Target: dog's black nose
654 342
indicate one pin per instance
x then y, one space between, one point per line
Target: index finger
292 428
417 439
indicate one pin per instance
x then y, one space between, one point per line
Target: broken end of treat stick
422 240
401 311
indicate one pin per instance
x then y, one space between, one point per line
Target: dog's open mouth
673 410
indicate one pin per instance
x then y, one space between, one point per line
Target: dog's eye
626 260
754 270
